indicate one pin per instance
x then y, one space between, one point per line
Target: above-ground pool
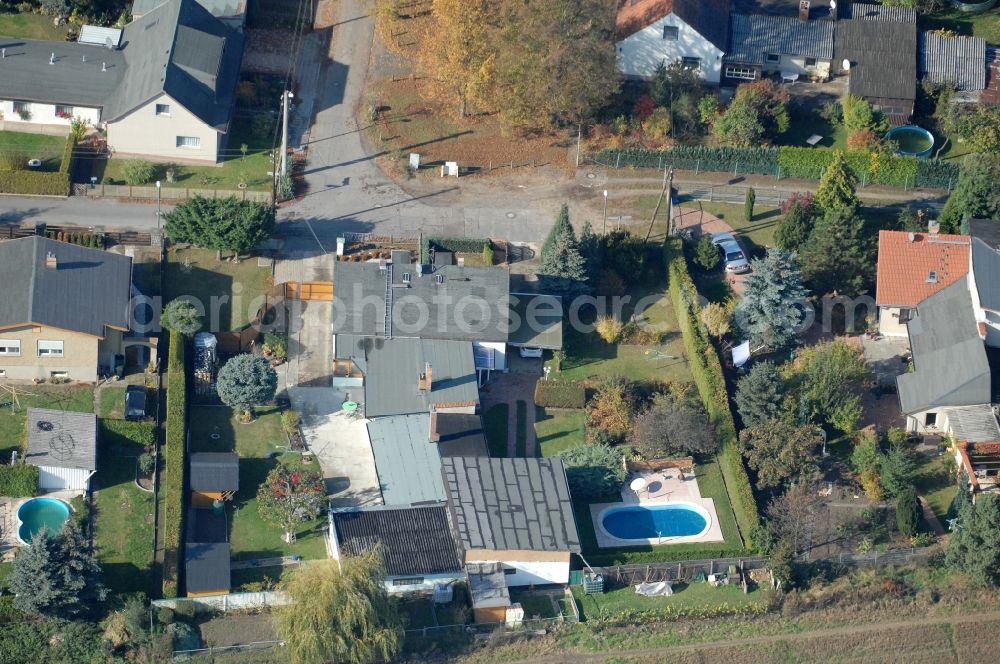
913 141
656 521
38 513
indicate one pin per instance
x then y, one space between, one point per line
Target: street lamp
604 230
157 206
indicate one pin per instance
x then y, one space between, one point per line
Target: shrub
706 255
290 421
748 202
137 171
593 471
488 256
463 245
560 394
861 139
908 512
711 383
146 463
13 160
277 344
164 615
173 475
608 328
19 480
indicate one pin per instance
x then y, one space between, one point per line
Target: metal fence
168 195
111 238
226 650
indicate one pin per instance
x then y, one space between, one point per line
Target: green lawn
758 233
691 597
495 427
76 398
34 146
805 123
124 519
111 401
31 26
935 481
985 25
521 440
231 293
252 169
558 430
535 604
711 485
259 445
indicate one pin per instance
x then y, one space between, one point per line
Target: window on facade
773 57
510 570
691 63
671 32
188 142
163 109
408 581
10 346
810 62
64 111
930 419
22 107
50 348
744 73
58 374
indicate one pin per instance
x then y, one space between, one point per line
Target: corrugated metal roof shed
959 61
974 424
414 541
511 504
62 439
756 35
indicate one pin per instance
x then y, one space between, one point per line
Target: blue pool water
39 513
654 521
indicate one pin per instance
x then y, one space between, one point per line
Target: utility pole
157 207
285 96
579 136
604 228
668 183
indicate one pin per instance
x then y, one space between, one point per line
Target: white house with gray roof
762 44
164 91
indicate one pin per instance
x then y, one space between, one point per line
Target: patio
658 487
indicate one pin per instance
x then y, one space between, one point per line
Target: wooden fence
168 195
111 238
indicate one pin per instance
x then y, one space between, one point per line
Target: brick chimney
50 261
803 10
432 434
426 381
932 228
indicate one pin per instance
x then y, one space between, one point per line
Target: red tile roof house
911 268
693 32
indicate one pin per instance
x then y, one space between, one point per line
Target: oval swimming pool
38 513
656 521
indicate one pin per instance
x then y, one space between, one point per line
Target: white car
530 353
732 253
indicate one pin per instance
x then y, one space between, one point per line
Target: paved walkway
509 389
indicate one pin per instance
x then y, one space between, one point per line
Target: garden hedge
127 432
790 162
173 473
19 480
708 377
40 183
560 394
465 245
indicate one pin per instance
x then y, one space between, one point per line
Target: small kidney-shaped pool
38 513
656 521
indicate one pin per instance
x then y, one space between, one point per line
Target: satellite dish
846 65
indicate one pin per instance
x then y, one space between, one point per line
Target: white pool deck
662 487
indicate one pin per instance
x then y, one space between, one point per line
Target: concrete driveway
699 223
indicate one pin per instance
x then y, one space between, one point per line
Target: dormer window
932 277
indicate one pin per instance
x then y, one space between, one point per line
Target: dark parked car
135 402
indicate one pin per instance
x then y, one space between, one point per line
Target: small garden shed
64 447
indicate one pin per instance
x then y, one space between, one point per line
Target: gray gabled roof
206 566
415 541
181 50
215 471
949 357
974 424
511 504
407 463
986 271
958 61
987 230
75 78
883 57
218 8
536 321
754 36
88 289
62 439
395 365
867 11
469 303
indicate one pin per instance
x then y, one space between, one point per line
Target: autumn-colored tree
612 408
460 53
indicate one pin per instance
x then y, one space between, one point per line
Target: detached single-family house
956 61
231 12
950 366
762 45
691 32
876 47
514 512
213 477
65 310
164 89
417 544
984 278
64 447
911 268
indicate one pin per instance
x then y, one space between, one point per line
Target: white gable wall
144 133
54 478
640 53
